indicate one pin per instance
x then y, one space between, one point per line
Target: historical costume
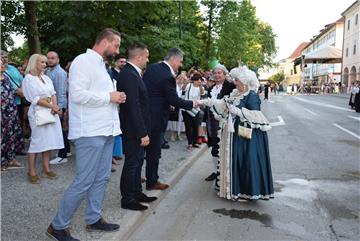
245 169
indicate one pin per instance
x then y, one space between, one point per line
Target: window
348 24
354 49
356 19
347 52
291 72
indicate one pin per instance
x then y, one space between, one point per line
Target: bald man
59 78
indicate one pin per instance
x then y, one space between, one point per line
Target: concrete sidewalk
27 210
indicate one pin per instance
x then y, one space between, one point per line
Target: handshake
197 103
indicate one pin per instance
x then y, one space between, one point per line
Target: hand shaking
117 97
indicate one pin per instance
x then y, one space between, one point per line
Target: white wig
245 76
221 67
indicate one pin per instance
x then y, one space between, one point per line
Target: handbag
43 116
245 130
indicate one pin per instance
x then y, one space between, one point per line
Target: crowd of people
107 111
354 100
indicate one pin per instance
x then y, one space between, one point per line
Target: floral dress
11 137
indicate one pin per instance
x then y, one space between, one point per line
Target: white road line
324 105
281 122
347 131
271 101
311 112
354 117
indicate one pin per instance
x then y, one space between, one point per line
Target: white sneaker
69 154
58 160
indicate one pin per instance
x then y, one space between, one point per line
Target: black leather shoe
145 199
136 206
102 226
60 235
165 146
211 177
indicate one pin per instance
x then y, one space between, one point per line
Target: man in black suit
135 124
159 79
120 62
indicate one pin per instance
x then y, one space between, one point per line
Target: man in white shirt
93 123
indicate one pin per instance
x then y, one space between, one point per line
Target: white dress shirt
136 67
90 111
171 69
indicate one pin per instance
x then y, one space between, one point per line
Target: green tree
241 36
277 78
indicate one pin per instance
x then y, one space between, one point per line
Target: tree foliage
69 27
243 37
277 78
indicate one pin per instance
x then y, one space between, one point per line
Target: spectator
59 79
16 80
120 62
9 124
193 91
39 91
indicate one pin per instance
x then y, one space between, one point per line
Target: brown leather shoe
143 179
157 186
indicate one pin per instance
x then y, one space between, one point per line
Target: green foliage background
69 27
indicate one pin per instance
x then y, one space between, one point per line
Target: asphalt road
315 153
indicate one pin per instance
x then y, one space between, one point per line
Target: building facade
331 35
351 48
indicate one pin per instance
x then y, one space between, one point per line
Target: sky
297 21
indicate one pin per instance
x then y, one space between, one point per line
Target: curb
133 219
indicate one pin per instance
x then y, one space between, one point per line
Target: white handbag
43 116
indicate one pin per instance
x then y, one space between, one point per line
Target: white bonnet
245 76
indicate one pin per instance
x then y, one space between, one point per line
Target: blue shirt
15 78
59 77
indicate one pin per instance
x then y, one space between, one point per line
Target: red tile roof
297 51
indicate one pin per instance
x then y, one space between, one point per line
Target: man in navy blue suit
135 124
159 79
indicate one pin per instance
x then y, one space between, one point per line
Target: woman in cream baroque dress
244 167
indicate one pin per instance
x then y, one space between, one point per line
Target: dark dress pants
191 127
63 152
130 183
153 153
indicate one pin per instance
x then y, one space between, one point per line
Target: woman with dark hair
9 124
193 91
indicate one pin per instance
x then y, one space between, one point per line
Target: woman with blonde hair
39 91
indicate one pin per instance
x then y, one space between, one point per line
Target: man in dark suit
135 124
159 79
120 62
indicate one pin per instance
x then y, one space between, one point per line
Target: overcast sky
296 21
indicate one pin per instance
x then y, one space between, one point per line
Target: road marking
354 117
324 105
311 112
271 101
281 122
347 131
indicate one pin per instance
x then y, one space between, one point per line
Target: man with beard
59 77
93 123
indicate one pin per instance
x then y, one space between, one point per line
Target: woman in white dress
39 91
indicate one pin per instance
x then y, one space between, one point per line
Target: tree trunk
209 32
32 31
